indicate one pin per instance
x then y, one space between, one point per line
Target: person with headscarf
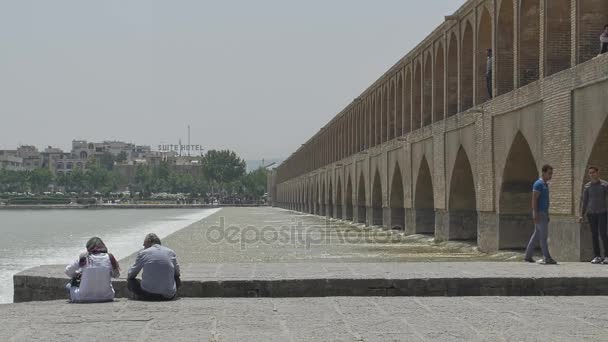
92 274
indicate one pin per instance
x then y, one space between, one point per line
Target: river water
31 238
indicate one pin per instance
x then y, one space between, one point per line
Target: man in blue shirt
540 215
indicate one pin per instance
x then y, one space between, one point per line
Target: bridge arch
529 41
348 212
380 125
520 173
407 101
558 16
427 101
391 111
361 200
322 199
424 202
462 201
398 95
505 35
439 84
330 199
484 42
466 67
417 96
452 81
376 200
593 16
339 199
397 200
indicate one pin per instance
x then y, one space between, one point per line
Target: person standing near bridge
489 72
604 40
540 215
594 207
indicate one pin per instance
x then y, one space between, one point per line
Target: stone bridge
426 148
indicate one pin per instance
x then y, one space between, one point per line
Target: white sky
259 77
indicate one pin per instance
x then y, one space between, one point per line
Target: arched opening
83 155
385 117
557 49
452 90
484 42
339 200
397 201
515 219
417 97
439 70
466 68
427 102
330 201
371 114
399 107
322 200
380 126
391 112
424 202
376 201
593 16
361 200
529 41
407 103
315 200
311 200
349 200
504 48
462 203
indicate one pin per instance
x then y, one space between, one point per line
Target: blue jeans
541 234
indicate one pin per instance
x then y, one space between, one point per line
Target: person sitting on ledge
160 278
92 274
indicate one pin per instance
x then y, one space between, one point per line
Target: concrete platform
312 319
353 279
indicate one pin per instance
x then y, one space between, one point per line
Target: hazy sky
259 77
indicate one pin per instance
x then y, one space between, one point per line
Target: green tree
40 179
221 167
121 157
106 160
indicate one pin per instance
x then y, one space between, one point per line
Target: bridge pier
455 225
396 218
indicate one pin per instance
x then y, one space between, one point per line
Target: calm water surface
39 237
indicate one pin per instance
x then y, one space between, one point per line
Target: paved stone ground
313 319
263 235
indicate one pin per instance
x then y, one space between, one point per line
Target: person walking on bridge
540 215
594 207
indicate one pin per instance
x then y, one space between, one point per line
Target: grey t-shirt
160 267
594 198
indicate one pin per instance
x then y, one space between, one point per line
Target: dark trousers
134 286
598 223
604 48
489 83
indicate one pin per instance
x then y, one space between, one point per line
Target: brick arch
558 49
398 94
385 120
452 74
339 198
505 35
348 199
427 100
424 203
380 126
439 84
322 193
593 15
417 96
598 155
407 101
484 42
520 172
391 111
361 198
330 198
529 41
376 199
397 199
462 200
466 67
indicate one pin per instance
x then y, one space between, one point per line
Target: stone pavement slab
312 319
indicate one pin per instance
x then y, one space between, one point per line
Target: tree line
223 173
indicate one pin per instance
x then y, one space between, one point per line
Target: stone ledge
398 279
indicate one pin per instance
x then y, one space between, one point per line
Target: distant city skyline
258 77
